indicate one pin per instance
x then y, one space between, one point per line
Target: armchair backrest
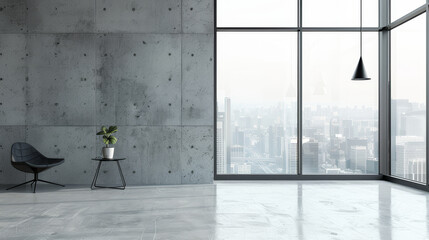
24 152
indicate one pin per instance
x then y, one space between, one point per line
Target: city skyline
265 139
262 140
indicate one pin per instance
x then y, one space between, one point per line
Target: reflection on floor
225 210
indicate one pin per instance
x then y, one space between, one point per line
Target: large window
340 116
286 103
256 107
408 100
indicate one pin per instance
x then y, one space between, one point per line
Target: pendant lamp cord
360 28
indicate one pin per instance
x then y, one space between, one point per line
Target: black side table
100 160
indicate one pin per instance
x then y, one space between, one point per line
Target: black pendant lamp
360 73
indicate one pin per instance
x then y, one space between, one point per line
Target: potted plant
108 139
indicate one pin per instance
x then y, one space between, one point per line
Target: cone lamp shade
360 73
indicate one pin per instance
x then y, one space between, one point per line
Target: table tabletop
107 159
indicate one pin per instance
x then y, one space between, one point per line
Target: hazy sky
262 67
283 13
259 68
408 60
256 67
399 8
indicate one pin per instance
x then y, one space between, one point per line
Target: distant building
334 130
237 151
372 165
224 139
375 144
335 140
221 165
238 137
409 151
347 128
227 133
292 158
244 169
417 169
353 143
275 138
358 158
310 153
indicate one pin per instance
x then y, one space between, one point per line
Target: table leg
94 181
122 175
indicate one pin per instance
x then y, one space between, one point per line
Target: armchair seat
45 162
26 158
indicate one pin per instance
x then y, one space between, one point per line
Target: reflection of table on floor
100 160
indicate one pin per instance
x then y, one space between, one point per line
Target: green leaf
112 140
107 135
112 129
106 140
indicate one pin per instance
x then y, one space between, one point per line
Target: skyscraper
275 139
335 141
224 139
347 128
292 156
221 165
352 144
238 137
310 156
409 151
358 158
237 151
227 133
417 169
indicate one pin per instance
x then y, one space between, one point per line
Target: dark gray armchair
26 158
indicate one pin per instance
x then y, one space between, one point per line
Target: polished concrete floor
225 210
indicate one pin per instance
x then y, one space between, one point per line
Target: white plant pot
108 152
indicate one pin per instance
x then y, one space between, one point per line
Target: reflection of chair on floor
26 158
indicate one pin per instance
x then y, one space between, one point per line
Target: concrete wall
69 66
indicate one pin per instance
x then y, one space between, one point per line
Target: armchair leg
34 181
51 183
31 181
